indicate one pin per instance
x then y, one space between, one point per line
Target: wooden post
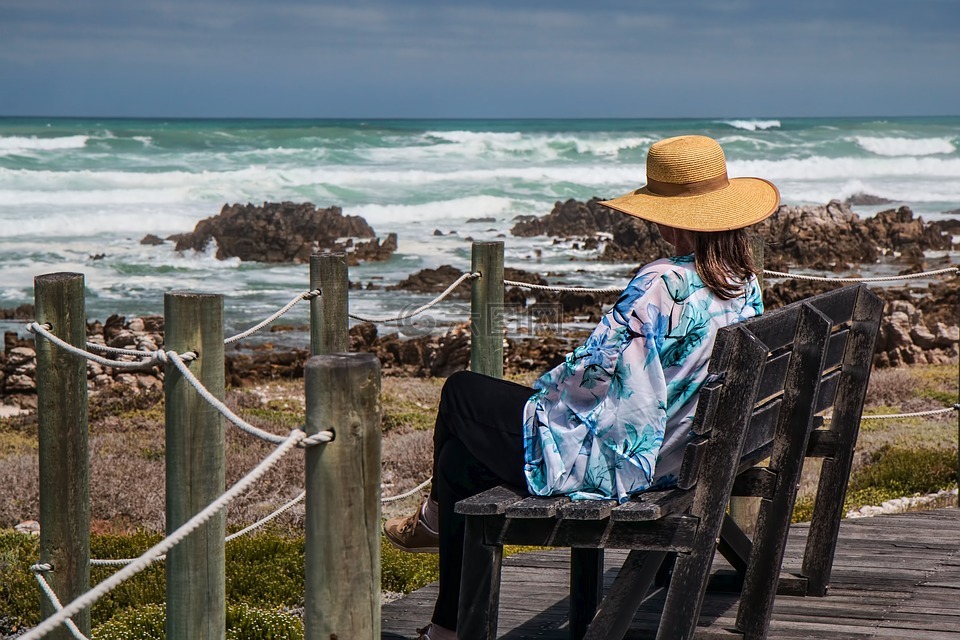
342 598
195 467
328 312
486 310
64 469
744 511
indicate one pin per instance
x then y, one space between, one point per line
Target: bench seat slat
536 507
586 509
653 505
491 502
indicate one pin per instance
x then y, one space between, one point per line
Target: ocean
80 194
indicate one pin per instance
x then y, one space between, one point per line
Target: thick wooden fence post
342 598
195 467
328 312
64 471
486 310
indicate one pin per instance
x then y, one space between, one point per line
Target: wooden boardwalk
895 576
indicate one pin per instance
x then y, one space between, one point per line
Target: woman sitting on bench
613 419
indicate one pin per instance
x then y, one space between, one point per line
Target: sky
473 59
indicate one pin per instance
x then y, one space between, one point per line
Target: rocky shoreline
283 232
920 324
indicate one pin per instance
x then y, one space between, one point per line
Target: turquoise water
71 189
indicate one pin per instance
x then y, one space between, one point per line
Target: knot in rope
34 327
43 567
310 295
320 437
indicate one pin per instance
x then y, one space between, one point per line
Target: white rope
915 414
154 357
260 523
907 276
545 287
407 494
420 309
96 346
174 357
306 295
232 536
184 530
38 570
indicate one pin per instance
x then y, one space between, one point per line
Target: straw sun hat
687 188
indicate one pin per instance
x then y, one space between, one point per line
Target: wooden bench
777 375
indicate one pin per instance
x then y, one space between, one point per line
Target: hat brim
743 202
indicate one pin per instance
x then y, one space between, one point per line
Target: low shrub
243 623
905 471
19 593
405 572
893 472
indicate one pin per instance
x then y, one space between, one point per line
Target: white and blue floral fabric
613 418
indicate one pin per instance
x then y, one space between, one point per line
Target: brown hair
724 261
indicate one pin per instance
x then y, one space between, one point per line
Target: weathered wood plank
491 502
63 444
653 505
342 554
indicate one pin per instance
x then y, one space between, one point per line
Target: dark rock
286 232
833 238
152 240
433 281
437 232
484 219
866 199
625 238
22 312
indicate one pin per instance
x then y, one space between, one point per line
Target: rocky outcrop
828 237
833 238
442 354
919 326
617 237
18 362
286 232
22 312
550 307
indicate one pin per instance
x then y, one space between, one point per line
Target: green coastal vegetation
265 569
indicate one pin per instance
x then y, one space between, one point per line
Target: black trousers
477 444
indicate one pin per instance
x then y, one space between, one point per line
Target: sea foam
752 125
906 146
18 145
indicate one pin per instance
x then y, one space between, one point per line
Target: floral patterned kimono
613 419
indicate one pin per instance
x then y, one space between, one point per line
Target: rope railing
407 494
233 536
233 418
152 357
179 361
96 562
306 295
547 287
404 316
150 555
38 571
914 414
905 276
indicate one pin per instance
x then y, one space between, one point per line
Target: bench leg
681 610
586 588
479 584
626 595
